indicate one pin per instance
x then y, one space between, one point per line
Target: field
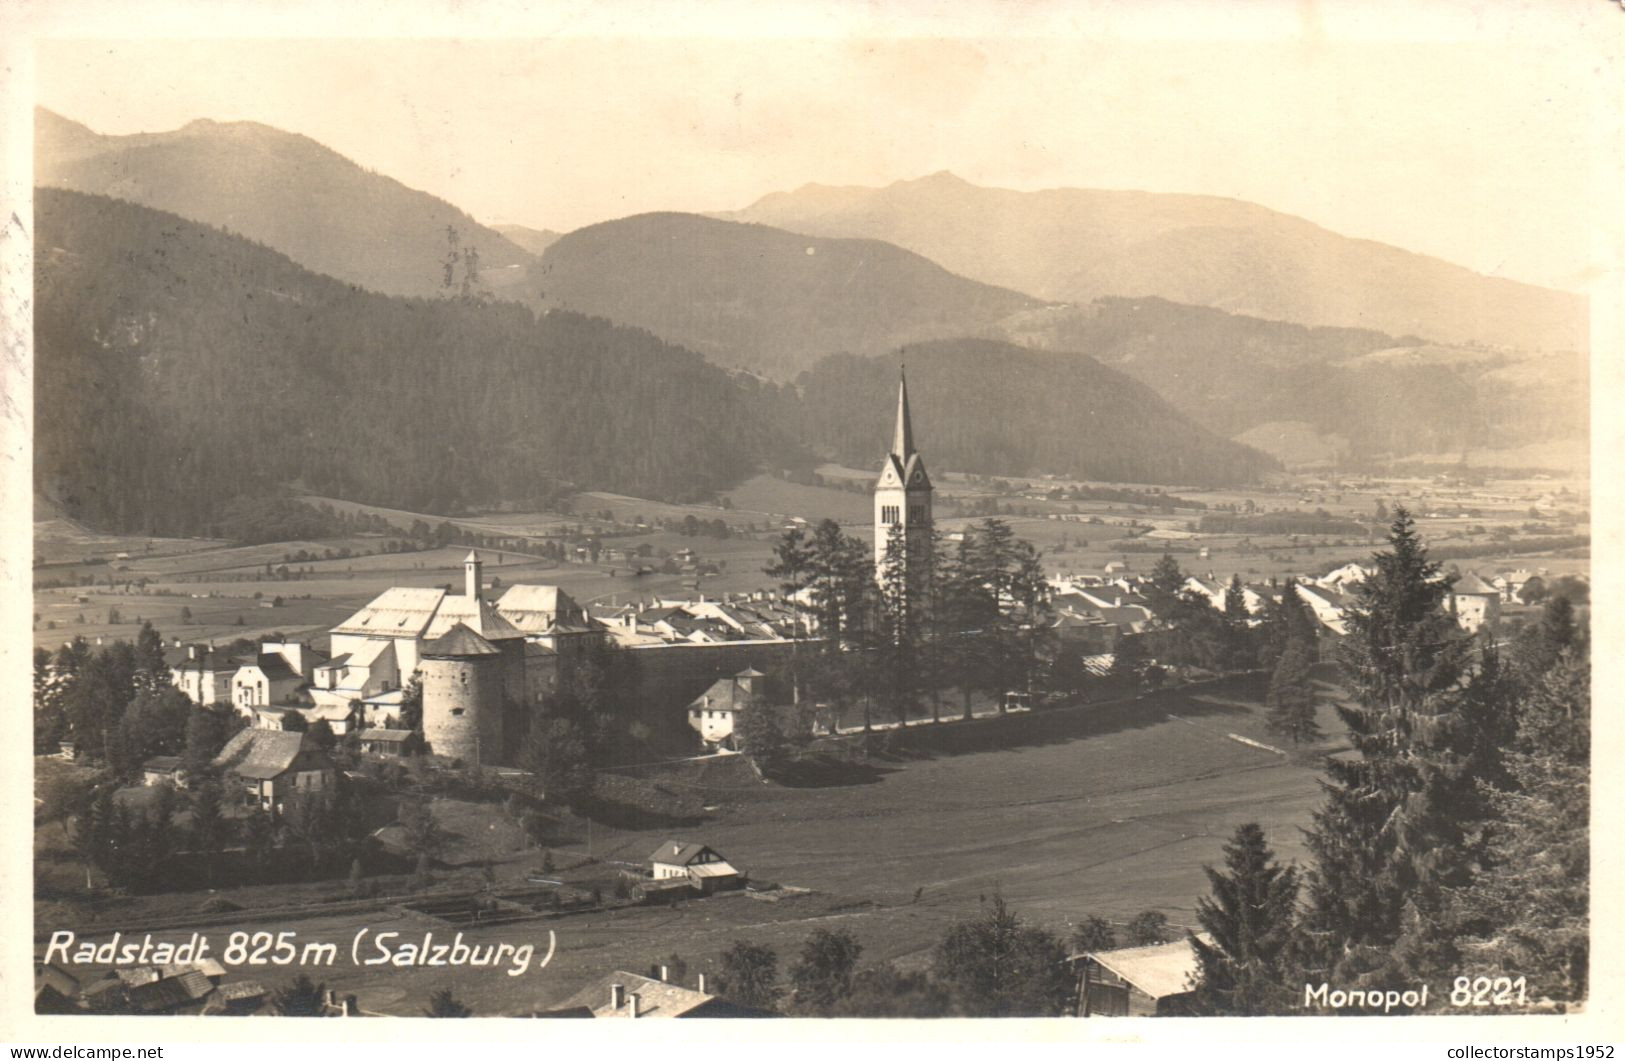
1110 823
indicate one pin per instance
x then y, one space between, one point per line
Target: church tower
903 497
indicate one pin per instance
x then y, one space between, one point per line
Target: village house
1151 981
202 672
1475 603
389 743
623 994
700 866
163 770
272 765
714 712
267 679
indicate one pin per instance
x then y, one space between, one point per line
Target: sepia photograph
903 519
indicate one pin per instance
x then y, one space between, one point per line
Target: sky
1476 150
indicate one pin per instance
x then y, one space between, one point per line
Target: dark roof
678 852
164 763
385 734
274 666
261 754
726 694
462 642
208 658
160 995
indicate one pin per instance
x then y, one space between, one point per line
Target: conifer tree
1238 635
1246 968
1530 909
1395 829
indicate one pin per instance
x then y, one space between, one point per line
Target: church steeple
903 494
902 446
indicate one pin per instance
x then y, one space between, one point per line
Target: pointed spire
902 445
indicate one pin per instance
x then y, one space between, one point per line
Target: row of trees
1454 841
967 619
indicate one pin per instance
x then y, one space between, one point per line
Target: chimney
191 652
471 575
702 984
664 973
632 1006
617 995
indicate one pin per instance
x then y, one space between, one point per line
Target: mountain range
179 366
1076 245
1032 284
762 298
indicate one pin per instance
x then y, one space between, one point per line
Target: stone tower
903 497
462 677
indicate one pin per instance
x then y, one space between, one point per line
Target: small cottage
271 765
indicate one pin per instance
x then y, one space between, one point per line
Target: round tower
462 676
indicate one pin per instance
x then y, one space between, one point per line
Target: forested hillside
760 298
1362 390
178 367
990 407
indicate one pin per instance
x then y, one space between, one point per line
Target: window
456 710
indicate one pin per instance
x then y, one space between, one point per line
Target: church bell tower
903 497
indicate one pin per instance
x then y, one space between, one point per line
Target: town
447 756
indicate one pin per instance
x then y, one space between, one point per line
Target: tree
1394 832
822 976
154 724
1148 927
412 704
420 834
299 997
750 976
1529 909
885 991
1238 636
757 728
320 735
208 829
1130 659
1250 915
1291 698
443 1003
1093 934
1539 646
1166 582
556 756
207 730
793 569
996 965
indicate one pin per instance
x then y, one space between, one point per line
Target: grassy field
1112 823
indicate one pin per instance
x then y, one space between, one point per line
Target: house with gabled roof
271 765
628 995
202 672
704 868
1475 603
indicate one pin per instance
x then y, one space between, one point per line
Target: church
903 501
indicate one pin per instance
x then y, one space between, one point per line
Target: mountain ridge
1079 244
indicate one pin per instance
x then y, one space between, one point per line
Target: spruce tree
1530 909
1291 699
1393 833
1238 636
1246 965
